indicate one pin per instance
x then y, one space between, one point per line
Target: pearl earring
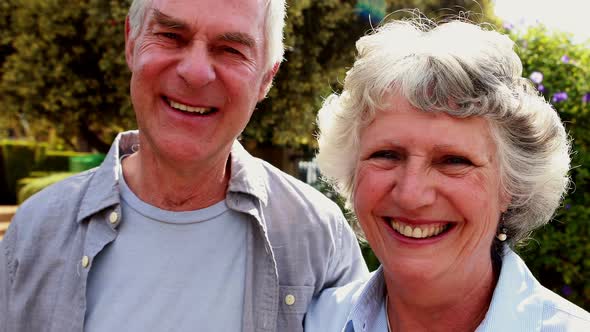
502 236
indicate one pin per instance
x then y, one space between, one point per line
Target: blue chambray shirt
300 244
519 304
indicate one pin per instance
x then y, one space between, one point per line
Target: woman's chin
418 270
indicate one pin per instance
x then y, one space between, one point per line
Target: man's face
197 73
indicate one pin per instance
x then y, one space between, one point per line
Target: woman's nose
414 188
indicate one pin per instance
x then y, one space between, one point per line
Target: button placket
113 217
85 261
290 299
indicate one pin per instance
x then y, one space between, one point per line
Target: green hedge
30 186
57 161
559 254
29 159
17 160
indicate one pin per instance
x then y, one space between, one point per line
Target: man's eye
385 154
169 35
232 50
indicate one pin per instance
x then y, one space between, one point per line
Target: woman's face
427 193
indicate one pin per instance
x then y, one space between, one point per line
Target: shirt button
85 261
290 299
113 217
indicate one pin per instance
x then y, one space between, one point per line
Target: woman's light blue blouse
520 303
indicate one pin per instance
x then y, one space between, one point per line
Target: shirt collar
366 308
103 189
516 304
247 174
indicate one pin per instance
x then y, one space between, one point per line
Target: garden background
64 97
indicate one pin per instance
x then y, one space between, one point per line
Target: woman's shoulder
560 314
330 311
521 303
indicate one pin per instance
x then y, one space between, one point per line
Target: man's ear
267 81
129 44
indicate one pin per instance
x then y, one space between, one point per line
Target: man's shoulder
285 187
59 201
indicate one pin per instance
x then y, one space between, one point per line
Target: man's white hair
273 32
463 70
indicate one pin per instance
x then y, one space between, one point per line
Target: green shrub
23 161
30 186
18 158
84 162
57 161
559 254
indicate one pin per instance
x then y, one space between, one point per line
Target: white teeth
186 108
408 231
417 232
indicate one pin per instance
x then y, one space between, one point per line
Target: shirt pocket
293 303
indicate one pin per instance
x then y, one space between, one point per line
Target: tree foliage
559 254
320 39
67 66
63 61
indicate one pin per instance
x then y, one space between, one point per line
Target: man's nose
196 67
414 188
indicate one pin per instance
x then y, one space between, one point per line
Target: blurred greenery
22 160
30 186
320 39
16 161
63 62
559 254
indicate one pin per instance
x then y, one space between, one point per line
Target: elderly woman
449 158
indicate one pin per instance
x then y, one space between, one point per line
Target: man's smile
189 109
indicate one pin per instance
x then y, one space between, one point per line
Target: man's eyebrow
167 21
238 37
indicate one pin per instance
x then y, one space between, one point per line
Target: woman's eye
385 154
456 160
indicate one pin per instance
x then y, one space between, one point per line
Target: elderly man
180 229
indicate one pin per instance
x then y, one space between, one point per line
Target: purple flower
536 77
508 26
568 206
566 290
541 88
559 97
565 58
586 98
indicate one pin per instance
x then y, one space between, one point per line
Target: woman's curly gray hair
463 70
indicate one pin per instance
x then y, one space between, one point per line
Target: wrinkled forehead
222 10
232 14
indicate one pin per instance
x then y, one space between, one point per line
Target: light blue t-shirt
170 271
